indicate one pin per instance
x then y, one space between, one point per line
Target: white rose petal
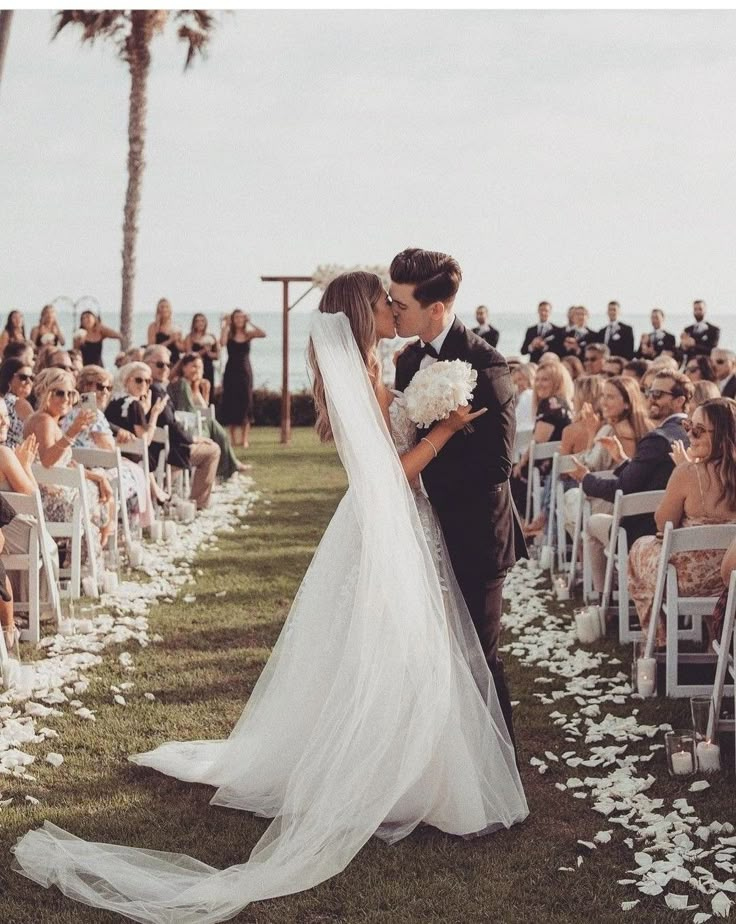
120 700
699 786
56 760
627 906
678 902
149 696
721 905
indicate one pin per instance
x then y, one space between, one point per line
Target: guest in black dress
236 404
90 336
162 331
205 345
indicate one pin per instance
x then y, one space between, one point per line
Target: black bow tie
428 350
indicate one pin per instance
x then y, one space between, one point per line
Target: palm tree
132 32
6 17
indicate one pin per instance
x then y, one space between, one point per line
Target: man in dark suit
651 465
724 363
617 336
542 337
658 341
484 329
467 482
573 339
699 338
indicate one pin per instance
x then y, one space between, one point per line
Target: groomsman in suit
699 338
542 337
617 336
658 341
484 329
573 339
724 363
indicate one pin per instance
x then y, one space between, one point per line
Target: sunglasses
696 430
162 365
692 368
139 380
720 362
100 387
24 377
657 393
62 393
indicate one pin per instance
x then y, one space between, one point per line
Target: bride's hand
464 415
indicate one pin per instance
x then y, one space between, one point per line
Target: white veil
376 676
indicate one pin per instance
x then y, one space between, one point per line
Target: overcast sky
571 156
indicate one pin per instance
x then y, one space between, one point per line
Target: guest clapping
91 335
574 338
658 340
701 337
543 336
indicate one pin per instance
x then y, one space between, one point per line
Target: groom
468 482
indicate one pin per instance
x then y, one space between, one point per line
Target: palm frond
93 23
196 30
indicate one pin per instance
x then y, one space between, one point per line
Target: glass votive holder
700 712
680 751
643 671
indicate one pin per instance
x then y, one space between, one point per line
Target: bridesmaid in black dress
92 332
236 406
162 331
205 346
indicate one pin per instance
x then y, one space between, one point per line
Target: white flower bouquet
439 389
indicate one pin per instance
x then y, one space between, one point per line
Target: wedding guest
573 366
91 335
648 469
724 366
16 386
596 354
132 355
199 452
700 369
53 358
702 391
99 435
522 375
658 340
14 331
162 331
636 369
701 337
699 492
205 345
56 393
617 336
484 329
612 366
574 339
728 565
586 401
236 405
17 349
47 332
190 391
541 337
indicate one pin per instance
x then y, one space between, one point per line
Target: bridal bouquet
439 389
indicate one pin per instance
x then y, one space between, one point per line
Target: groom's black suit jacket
468 481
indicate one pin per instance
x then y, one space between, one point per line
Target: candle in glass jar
682 763
709 756
585 627
561 591
545 559
155 531
135 555
110 582
646 676
169 529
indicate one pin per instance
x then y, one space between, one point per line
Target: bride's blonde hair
355 295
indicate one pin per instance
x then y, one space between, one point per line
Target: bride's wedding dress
375 712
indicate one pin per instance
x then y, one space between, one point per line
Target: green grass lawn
202 673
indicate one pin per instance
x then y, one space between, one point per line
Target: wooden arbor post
286 308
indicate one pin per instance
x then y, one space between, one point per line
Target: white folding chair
32 561
577 542
110 460
624 505
691 609
521 443
537 453
725 648
190 421
162 474
80 523
556 532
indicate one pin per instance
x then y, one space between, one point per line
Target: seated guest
701 491
596 354
613 366
575 337
586 406
636 369
541 337
701 337
724 365
648 469
484 329
700 369
728 565
189 391
702 391
16 385
19 350
617 336
99 435
573 366
658 340
522 375
51 357
198 452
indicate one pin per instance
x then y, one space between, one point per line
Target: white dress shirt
437 343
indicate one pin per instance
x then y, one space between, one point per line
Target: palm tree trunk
139 61
6 17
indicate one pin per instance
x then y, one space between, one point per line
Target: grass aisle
202 673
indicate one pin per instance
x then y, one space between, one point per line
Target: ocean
266 353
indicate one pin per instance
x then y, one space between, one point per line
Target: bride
376 711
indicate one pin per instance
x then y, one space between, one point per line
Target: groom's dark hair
436 276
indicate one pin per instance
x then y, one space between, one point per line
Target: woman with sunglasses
701 490
16 386
99 435
56 395
700 369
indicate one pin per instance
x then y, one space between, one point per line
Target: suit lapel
454 345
